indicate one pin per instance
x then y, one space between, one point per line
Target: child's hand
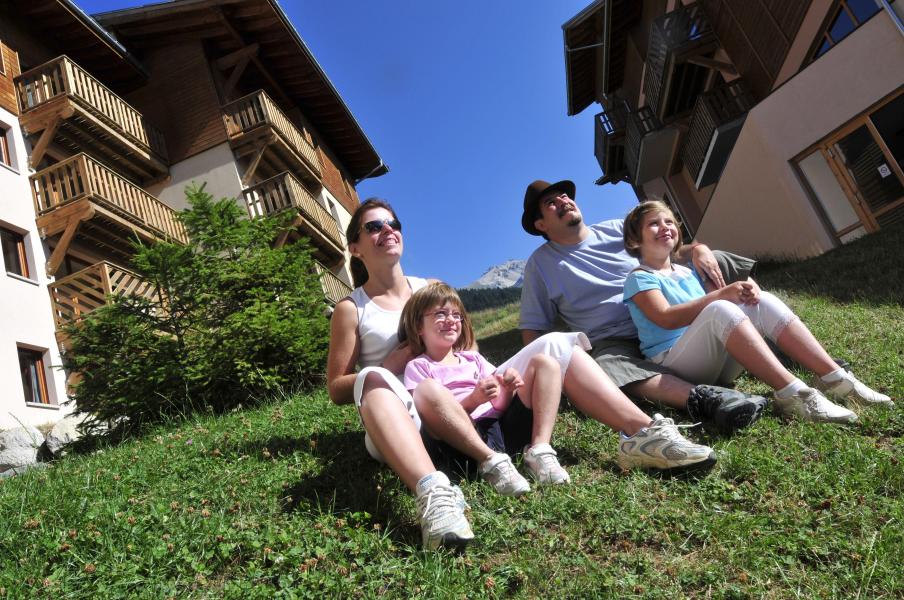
510 380
739 292
751 294
486 390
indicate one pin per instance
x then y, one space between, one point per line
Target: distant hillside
507 274
483 298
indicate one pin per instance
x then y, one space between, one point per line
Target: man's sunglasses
375 226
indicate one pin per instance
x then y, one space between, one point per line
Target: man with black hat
578 275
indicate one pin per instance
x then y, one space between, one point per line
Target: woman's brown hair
634 223
433 295
353 233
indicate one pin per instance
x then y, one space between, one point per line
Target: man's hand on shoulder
705 263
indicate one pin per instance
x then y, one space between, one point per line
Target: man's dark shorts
621 358
509 433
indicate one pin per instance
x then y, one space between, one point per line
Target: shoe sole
700 465
450 541
744 416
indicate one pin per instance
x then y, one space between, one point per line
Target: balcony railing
608 142
76 295
670 83
63 77
82 177
638 125
333 288
714 127
284 192
258 110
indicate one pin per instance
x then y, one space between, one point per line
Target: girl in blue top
708 335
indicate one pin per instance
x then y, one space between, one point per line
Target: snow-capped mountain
507 274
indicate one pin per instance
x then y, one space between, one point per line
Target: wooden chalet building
103 122
774 128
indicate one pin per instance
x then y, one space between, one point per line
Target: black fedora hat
532 196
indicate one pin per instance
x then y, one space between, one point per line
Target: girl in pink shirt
450 382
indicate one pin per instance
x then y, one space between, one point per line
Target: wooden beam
711 63
38 150
55 221
234 77
234 58
249 173
59 253
275 85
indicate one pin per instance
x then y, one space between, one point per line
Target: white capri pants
699 355
557 345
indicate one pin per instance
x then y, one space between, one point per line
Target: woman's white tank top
378 329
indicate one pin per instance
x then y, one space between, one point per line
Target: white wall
25 313
215 166
343 217
759 206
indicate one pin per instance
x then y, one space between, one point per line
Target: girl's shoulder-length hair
431 296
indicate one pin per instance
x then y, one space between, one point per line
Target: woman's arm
672 316
343 354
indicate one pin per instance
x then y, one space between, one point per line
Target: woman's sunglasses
375 226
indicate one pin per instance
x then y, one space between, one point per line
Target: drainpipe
895 18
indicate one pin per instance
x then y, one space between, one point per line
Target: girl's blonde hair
431 296
634 223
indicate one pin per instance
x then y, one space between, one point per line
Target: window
2 59
6 155
34 381
848 16
14 256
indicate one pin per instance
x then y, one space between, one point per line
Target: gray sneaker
499 471
661 446
852 391
810 405
441 507
543 465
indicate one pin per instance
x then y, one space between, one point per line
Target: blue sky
465 101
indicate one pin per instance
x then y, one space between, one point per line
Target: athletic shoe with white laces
441 507
851 391
499 471
661 446
543 465
810 405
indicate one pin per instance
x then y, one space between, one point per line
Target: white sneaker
441 507
499 471
851 391
810 405
661 446
543 465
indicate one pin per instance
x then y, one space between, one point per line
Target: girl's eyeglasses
375 226
444 315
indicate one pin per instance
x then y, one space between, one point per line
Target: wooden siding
11 70
756 35
333 180
182 100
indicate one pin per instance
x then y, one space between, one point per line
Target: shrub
233 319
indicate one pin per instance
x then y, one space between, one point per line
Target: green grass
282 500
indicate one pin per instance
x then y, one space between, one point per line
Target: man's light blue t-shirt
680 286
582 282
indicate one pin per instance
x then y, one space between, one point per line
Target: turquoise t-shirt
680 286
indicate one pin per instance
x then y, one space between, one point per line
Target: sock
431 479
833 377
790 389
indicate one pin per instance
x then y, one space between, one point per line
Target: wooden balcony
715 125
672 80
282 193
334 289
649 146
82 198
260 132
73 112
81 293
609 143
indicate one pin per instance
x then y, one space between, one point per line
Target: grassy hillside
282 501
